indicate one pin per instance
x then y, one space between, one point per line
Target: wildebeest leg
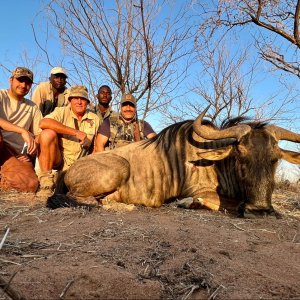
198 203
208 200
97 175
111 202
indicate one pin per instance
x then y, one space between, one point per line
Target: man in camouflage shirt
123 129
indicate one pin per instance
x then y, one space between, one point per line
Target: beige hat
22 72
79 91
58 70
128 98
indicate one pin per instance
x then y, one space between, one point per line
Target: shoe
47 184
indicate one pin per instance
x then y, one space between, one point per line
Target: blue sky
16 33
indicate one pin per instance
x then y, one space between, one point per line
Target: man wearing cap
67 134
125 129
103 110
53 93
20 119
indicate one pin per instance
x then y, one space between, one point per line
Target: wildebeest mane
167 136
242 120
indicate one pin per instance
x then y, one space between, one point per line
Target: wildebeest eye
274 160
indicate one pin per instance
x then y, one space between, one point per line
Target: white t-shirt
23 113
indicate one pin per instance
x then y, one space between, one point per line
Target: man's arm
37 97
26 135
148 130
60 128
103 135
151 135
100 142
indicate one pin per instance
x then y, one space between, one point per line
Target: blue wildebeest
218 168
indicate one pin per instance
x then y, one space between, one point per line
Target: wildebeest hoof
185 202
190 203
108 204
252 214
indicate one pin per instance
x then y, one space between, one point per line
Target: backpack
15 174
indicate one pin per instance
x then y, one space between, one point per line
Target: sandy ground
165 253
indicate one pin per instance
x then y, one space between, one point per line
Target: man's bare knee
47 137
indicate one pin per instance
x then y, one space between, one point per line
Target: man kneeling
19 129
67 134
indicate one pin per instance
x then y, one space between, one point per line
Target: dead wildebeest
217 168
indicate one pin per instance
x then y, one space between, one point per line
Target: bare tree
275 22
225 87
223 82
136 45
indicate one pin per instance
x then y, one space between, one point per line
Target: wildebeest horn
210 133
283 134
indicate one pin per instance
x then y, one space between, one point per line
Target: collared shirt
23 113
43 97
70 146
108 113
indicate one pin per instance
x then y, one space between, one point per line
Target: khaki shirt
109 112
43 97
23 113
70 146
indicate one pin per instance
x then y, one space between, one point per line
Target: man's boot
47 184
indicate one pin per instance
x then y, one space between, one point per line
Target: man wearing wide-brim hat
67 134
53 93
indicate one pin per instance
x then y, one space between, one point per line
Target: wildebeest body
217 168
151 178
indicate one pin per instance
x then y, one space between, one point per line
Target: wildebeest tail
61 187
61 200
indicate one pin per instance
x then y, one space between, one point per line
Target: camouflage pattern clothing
46 98
120 133
109 113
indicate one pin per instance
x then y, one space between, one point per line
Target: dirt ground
165 253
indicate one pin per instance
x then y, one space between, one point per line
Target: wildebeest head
252 159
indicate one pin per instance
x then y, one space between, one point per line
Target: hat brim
78 96
128 101
24 76
59 73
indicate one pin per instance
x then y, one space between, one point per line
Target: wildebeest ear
290 156
215 154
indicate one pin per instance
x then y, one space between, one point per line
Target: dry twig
63 293
4 238
13 294
216 292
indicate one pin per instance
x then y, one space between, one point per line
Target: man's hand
82 137
23 158
31 144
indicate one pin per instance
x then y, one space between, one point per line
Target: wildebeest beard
248 174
